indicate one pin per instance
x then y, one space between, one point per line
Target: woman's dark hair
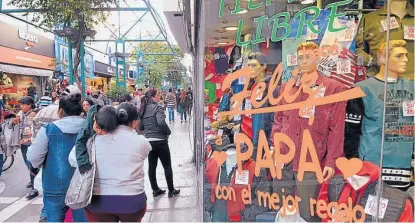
147 99
71 104
125 98
170 90
127 113
106 118
90 102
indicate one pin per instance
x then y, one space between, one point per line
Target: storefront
103 73
309 110
26 61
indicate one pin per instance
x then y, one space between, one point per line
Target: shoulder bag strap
93 150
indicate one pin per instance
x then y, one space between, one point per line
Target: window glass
304 103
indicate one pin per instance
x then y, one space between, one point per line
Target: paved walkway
15 208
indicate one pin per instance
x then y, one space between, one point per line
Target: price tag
242 80
248 105
370 207
311 35
310 112
409 32
344 67
393 24
292 59
259 97
347 35
216 56
242 179
220 132
408 108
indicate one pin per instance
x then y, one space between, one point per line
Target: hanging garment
372 34
363 187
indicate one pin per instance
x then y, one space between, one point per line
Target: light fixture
222 43
231 28
307 2
242 12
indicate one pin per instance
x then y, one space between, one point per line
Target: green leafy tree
158 67
78 14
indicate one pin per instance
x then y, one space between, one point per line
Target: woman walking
118 193
156 130
183 106
24 121
50 150
170 103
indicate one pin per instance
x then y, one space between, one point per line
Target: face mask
230 160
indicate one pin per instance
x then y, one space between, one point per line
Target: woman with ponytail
118 193
50 150
156 130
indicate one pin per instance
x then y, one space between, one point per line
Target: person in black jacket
156 130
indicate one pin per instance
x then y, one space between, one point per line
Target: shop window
309 111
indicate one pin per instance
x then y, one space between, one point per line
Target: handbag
79 193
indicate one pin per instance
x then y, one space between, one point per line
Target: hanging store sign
26 36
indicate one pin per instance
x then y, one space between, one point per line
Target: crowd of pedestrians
59 134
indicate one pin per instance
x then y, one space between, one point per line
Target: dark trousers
160 150
305 189
32 171
94 216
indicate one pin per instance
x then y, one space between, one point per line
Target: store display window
309 111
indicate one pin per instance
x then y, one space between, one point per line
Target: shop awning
13 69
102 74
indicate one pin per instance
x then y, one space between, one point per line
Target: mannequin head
307 56
258 63
398 58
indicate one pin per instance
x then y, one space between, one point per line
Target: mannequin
327 140
373 30
364 135
252 124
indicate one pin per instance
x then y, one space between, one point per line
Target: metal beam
163 31
158 54
112 9
139 20
127 40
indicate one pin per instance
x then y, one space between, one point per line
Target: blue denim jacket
57 172
50 150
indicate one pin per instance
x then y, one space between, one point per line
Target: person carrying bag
79 193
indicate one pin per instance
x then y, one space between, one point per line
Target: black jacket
153 122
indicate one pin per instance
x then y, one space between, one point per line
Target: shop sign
111 70
26 36
17 57
279 23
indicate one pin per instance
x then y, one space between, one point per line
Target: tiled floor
15 208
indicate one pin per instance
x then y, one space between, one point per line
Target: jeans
160 149
56 209
32 171
94 216
306 189
183 113
1 163
171 113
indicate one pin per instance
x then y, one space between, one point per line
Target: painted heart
349 167
220 157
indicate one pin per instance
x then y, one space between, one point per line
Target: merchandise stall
26 62
308 111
